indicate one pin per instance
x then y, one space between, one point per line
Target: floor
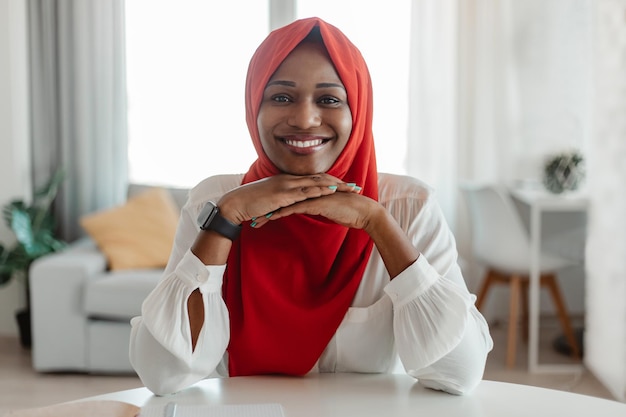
583 382
21 387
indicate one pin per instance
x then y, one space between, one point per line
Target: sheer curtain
462 115
78 104
432 128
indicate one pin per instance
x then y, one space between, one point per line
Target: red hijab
289 284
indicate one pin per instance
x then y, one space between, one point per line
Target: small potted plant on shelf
34 228
563 172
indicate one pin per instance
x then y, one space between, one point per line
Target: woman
311 261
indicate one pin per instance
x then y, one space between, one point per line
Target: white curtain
462 113
432 127
78 97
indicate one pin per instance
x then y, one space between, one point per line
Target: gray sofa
80 311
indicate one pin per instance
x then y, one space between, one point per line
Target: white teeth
304 143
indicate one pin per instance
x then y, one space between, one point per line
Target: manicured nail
356 187
253 224
253 219
351 184
268 215
332 187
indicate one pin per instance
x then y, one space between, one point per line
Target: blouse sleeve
441 338
160 342
160 345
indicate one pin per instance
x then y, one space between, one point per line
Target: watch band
211 219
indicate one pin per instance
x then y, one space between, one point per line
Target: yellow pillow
138 234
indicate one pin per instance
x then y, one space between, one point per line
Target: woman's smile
304 145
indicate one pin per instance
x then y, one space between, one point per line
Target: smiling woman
185 84
312 250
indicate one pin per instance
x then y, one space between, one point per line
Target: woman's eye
329 100
281 98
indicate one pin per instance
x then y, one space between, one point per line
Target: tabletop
364 395
575 200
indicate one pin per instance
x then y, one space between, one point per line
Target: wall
605 337
14 135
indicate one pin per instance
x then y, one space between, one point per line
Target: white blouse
425 316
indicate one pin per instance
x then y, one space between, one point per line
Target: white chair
501 243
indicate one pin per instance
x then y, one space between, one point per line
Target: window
187 62
186 69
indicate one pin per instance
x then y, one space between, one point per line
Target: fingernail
351 184
252 224
268 215
356 187
332 187
253 219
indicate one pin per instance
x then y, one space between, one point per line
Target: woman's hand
260 200
347 208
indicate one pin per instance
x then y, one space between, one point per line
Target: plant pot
23 325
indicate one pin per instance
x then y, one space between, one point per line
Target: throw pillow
138 234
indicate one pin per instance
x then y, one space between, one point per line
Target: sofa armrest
59 324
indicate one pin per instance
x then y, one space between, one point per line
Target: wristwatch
211 219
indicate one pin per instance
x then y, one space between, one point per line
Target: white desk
364 395
540 202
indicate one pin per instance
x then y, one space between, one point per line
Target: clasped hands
282 195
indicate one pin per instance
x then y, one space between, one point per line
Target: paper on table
226 410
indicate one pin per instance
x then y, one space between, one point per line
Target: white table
540 202
380 395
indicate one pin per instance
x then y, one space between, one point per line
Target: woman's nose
304 115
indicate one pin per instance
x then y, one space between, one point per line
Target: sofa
81 308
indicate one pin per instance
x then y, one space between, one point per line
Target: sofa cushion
138 234
117 295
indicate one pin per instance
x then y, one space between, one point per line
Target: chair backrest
178 194
499 237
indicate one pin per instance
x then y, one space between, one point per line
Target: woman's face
304 120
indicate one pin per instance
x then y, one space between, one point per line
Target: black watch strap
211 219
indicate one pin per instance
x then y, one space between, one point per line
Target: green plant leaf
7 210
6 270
33 226
22 227
13 261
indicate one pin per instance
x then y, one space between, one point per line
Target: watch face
207 214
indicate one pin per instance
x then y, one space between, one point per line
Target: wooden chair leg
484 289
553 286
525 289
515 288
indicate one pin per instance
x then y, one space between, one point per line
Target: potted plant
563 172
34 228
